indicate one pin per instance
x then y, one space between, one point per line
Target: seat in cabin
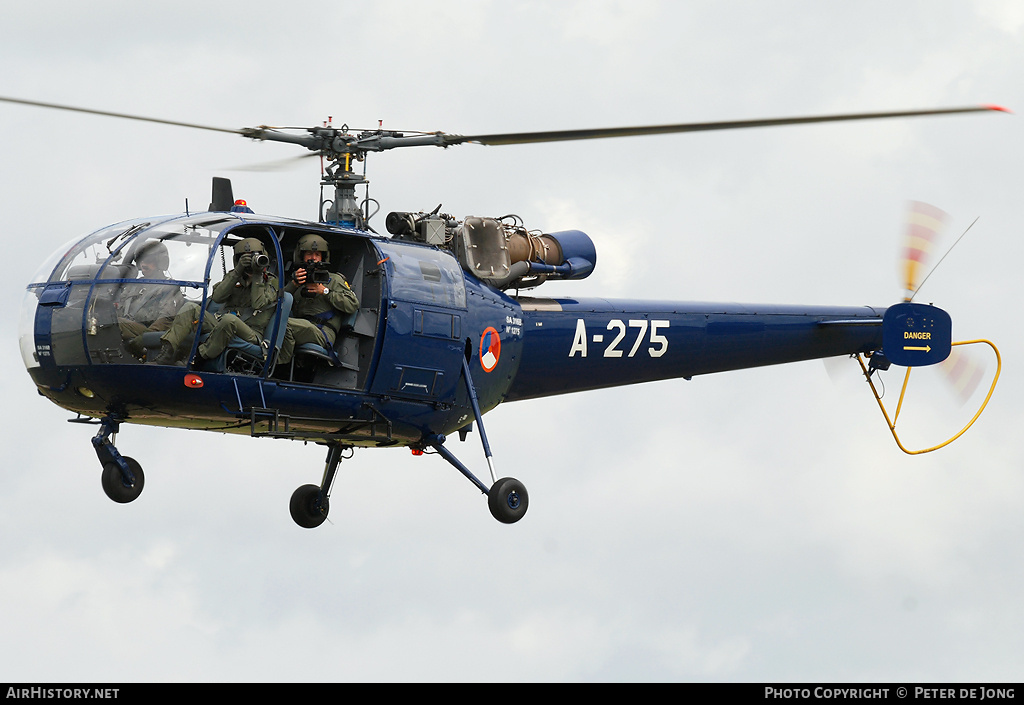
340 366
328 355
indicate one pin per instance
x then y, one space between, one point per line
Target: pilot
146 306
248 295
318 306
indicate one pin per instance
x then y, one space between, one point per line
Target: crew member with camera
321 297
248 298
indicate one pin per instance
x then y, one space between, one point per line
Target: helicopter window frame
59 266
263 229
189 231
98 264
140 239
221 242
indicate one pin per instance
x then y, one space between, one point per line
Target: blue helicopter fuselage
397 376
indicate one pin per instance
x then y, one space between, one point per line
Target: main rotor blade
277 165
126 116
320 140
601 133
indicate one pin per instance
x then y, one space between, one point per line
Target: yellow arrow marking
927 348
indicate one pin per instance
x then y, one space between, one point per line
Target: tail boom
572 345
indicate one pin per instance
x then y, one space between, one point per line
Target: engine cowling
502 253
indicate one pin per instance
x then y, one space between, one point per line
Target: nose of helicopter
26 329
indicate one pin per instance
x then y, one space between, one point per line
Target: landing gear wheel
113 481
507 499
307 510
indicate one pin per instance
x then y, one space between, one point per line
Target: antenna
944 257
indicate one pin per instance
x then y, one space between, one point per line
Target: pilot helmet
310 242
249 244
156 253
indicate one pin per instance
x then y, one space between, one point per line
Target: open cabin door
349 365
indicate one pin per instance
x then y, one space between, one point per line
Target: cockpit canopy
103 288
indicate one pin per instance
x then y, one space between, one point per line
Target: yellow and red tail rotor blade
963 372
924 224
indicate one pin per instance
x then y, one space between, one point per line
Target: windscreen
110 287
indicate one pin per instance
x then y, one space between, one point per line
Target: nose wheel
308 508
122 477
115 484
310 504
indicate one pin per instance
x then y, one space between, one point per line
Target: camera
260 261
316 272
320 275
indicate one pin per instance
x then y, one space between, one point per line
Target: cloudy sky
753 526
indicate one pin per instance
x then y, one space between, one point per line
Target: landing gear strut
122 477
311 503
506 498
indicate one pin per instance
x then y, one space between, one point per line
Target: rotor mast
340 175
343 149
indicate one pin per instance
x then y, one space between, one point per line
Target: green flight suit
145 307
248 305
317 318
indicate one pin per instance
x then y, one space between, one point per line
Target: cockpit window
175 253
104 291
78 253
111 253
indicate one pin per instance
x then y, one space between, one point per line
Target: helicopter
448 323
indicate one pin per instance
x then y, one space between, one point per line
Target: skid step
271 423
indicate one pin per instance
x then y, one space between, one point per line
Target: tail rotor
926 225
919 335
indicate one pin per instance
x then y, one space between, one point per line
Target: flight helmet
311 242
156 253
249 244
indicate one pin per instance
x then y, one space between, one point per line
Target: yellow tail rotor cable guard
906 379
